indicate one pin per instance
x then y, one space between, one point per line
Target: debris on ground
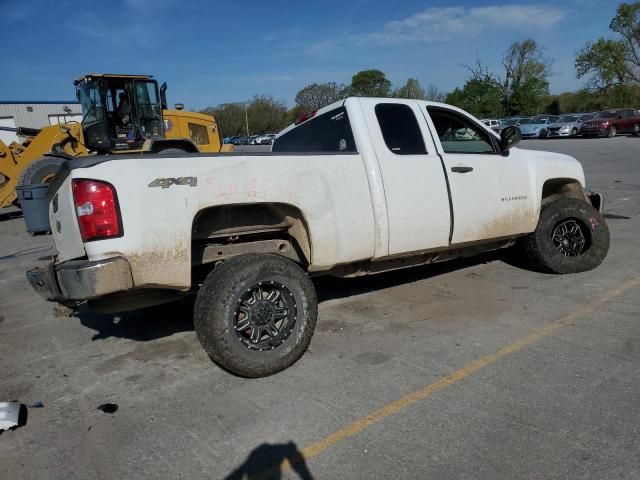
62 311
108 407
37 404
12 415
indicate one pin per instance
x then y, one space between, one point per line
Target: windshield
568 119
511 121
89 96
611 114
538 120
525 120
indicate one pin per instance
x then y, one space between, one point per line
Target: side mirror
509 137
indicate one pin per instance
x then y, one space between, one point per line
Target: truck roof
341 103
111 75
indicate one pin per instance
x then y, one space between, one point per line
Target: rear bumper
79 280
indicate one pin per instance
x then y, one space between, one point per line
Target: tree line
263 113
520 86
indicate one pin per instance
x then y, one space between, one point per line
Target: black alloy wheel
569 238
265 316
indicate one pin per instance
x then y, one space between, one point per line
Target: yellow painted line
392 408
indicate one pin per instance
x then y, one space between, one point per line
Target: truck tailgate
64 223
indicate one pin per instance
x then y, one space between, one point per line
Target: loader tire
571 237
255 314
172 151
42 170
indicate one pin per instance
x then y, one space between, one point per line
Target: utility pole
246 112
246 116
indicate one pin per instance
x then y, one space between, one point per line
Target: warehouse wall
36 114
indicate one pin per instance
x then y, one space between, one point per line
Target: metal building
35 115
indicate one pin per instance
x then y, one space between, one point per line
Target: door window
148 108
458 134
400 129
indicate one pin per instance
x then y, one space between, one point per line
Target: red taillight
97 209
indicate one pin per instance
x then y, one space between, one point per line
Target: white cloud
438 24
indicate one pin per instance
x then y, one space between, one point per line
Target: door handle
461 169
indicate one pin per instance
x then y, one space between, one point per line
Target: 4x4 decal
167 182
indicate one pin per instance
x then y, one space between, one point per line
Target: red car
612 122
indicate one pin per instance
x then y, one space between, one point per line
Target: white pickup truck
362 186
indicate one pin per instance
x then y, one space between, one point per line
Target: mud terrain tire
42 170
252 293
563 226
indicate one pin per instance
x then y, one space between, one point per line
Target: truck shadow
140 325
330 288
165 320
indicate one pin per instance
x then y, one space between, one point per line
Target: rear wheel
255 314
41 171
612 132
571 237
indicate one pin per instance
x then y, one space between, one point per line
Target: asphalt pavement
472 369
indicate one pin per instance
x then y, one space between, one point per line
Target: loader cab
119 112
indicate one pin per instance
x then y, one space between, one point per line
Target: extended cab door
415 186
492 195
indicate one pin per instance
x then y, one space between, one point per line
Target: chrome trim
83 280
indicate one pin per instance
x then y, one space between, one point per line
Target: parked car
611 122
252 140
507 122
568 125
266 139
247 238
491 123
241 141
538 127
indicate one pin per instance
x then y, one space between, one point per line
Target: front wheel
636 130
574 132
612 132
571 237
543 134
255 314
42 170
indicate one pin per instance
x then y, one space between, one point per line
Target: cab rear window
327 133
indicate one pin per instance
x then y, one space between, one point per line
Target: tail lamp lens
97 209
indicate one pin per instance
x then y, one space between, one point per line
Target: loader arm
16 157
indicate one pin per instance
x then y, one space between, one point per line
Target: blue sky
212 52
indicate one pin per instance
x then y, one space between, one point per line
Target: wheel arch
556 188
251 222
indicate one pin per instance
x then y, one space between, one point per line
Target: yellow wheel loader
120 114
